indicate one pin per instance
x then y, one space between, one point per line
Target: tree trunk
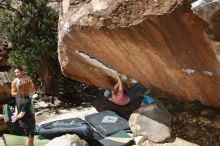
49 77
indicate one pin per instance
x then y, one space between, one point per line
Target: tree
31 27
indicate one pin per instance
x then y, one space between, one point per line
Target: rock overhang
167 50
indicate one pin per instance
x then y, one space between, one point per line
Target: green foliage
9 75
31 28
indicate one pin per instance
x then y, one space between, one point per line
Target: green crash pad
13 140
120 138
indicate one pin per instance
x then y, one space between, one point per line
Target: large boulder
151 121
162 44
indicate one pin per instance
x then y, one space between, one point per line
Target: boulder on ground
152 122
67 140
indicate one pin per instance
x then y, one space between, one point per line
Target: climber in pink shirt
119 97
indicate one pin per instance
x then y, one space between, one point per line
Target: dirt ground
194 122
191 121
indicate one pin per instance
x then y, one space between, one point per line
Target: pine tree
31 28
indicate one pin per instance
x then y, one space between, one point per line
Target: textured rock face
159 43
114 13
209 11
67 140
152 122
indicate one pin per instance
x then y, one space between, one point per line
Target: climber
120 97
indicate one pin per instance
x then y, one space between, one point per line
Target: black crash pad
107 122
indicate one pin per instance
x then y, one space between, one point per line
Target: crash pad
107 122
71 126
120 138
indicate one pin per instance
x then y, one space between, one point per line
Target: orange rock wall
169 52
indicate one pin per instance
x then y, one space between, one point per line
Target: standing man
22 88
15 84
